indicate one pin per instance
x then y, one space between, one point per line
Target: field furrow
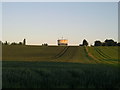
103 54
74 54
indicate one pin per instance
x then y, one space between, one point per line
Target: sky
46 22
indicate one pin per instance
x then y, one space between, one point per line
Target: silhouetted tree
115 44
45 44
24 42
6 43
103 44
110 42
118 44
85 43
14 43
20 43
98 43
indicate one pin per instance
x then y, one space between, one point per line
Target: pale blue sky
46 22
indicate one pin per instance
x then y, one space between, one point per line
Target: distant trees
20 43
110 42
45 44
14 43
98 43
103 44
6 43
118 44
107 42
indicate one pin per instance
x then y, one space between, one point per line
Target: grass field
60 67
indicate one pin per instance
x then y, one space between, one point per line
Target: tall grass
59 75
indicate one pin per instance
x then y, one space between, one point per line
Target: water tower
62 42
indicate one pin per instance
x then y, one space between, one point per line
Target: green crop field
61 54
26 66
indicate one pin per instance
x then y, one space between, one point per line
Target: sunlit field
61 54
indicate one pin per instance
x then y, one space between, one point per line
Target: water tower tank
62 42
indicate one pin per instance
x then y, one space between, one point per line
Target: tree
24 42
85 43
98 43
103 44
6 43
118 44
110 42
20 43
45 44
13 43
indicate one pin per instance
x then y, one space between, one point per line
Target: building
62 42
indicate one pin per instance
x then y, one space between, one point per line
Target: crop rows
105 54
61 54
71 67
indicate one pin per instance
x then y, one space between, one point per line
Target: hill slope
60 67
61 54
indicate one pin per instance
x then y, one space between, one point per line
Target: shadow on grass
59 75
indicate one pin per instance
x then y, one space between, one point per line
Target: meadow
26 66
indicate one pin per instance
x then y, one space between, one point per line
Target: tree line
13 43
107 42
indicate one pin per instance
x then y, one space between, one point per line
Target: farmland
28 66
61 54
